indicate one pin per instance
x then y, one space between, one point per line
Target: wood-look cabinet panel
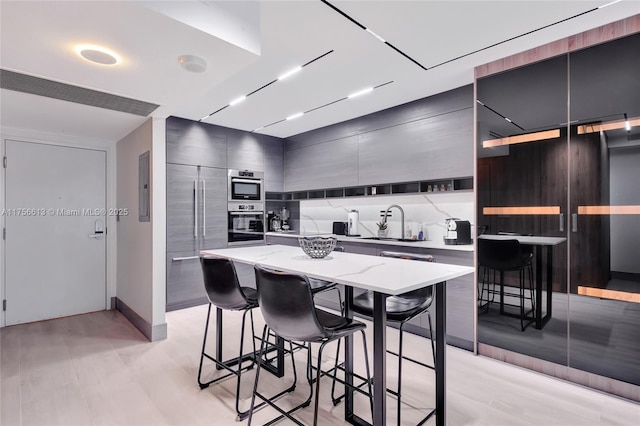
273 149
200 144
323 165
181 207
244 151
214 207
432 148
186 285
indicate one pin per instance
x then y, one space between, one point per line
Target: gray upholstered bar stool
286 303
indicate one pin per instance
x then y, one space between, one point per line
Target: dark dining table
539 243
384 276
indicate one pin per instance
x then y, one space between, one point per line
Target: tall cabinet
196 206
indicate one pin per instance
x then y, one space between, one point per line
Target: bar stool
320 286
401 309
503 256
286 303
224 291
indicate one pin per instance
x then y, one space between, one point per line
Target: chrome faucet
386 213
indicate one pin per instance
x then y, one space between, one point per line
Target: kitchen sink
392 239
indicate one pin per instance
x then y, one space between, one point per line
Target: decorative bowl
317 247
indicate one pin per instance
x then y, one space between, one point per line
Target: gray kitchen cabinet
196 220
273 163
244 151
184 273
200 144
190 225
431 148
323 165
427 139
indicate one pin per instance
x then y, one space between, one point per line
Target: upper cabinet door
430 148
273 163
244 151
323 165
198 144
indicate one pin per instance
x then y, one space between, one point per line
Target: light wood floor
97 369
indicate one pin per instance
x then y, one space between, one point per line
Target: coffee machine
458 232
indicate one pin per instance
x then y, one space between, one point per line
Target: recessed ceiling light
192 63
98 54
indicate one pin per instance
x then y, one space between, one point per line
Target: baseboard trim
152 333
590 380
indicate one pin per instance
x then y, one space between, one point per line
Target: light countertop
428 244
383 274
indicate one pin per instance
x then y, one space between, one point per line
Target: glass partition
522 192
558 169
604 146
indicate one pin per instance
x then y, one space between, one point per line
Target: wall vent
18 82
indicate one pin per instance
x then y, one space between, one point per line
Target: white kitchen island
384 276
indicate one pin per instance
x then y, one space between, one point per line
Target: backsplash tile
430 209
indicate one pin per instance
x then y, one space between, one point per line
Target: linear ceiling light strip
266 85
322 106
374 34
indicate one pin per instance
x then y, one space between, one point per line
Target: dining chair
287 306
400 309
225 292
503 256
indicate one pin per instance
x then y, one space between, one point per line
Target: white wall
141 245
65 140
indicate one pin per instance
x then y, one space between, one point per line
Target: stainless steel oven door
245 227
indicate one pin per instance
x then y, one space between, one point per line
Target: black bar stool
401 309
286 303
224 291
503 256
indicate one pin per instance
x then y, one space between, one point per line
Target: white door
55 261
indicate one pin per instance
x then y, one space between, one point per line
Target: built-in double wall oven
245 211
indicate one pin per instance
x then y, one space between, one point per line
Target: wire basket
317 247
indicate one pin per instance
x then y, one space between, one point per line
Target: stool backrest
221 283
499 254
287 305
420 293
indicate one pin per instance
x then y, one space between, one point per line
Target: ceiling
252 43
